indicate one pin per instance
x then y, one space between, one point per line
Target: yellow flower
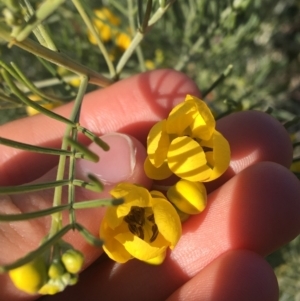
69 77
143 227
123 40
30 277
187 144
50 289
104 23
188 197
150 65
31 111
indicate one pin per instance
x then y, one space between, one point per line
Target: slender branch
222 76
91 28
32 187
90 238
34 148
57 58
97 203
31 215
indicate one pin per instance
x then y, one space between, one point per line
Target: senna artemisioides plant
55 264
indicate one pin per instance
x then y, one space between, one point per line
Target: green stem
139 37
139 51
89 186
40 31
90 238
84 151
222 76
32 215
34 148
32 88
33 187
91 28
93 137
56 223
74 135
97 203
44 10
57 58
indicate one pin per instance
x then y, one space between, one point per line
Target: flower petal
158 143
139 248
157 260
160 173
112 247
189 197
133 195
187 160
180 118
111 217
219 158
167 220
204 123
157 194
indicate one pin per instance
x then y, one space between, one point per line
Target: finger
130 106
253 137
18 238
256 136
235 275
257 210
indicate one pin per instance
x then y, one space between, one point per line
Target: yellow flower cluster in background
107 25
187 145
31 111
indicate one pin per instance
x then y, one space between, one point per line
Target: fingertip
123 162
265 208
235 275
258 210
255 136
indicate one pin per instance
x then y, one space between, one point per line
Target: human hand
252 209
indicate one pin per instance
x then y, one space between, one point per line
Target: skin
253 209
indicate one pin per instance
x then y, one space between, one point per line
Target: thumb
123 162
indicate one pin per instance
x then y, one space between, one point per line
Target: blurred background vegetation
202 38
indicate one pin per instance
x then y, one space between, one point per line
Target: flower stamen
135 216
154 233
136 221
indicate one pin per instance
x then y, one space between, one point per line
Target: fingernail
115 165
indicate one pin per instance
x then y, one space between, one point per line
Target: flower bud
73 261
50 289
30 277
56 270
187 196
